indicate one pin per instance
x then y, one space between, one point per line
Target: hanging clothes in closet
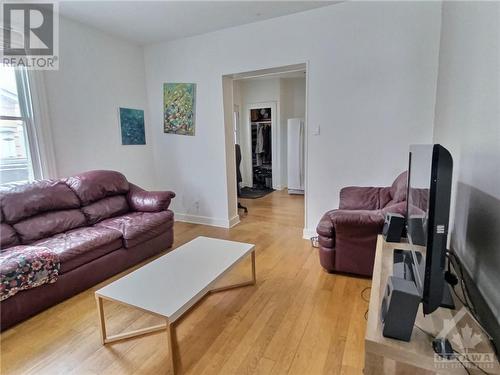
259 149
263 147
266 133
261 154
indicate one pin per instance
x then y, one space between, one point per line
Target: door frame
227 94
275 143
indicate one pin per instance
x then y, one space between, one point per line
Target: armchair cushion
399 187
395 208
148 201
363 198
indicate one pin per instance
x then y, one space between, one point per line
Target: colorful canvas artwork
132 126
179 100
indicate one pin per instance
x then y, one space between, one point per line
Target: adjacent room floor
298 319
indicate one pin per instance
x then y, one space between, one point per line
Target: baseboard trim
206 220
307 233
235 220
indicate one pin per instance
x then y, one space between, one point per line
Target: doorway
266 100
258 141
261 139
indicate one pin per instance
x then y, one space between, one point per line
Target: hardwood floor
298 319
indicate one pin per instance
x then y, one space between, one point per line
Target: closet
262 164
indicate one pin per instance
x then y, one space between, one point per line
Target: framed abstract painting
179 105
132 126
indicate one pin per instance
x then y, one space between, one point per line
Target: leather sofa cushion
82 245
104 208
22 201
148 235
138 227
8 236
94 185
48 224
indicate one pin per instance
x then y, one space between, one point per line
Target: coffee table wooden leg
173 346
105 339
254 278
102 321
239 285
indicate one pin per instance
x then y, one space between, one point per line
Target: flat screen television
428 209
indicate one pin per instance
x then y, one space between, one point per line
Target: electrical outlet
197 206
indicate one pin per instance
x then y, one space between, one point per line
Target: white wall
259 90
372 81
97 74
467 122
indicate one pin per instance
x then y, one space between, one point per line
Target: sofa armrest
356 218
350 222
148 201
325 226
363 198
355 239
334 220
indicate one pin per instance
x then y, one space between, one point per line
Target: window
19 157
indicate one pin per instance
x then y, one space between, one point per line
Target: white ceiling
146 22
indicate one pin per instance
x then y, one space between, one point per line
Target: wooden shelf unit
388 356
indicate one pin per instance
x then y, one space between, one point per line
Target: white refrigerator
295 152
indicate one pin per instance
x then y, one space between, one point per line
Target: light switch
316 130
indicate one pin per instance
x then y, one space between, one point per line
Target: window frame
27 119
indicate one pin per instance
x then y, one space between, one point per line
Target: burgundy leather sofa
348 236
97 222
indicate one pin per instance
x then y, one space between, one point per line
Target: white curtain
42 124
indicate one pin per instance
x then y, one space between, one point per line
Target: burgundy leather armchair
348 236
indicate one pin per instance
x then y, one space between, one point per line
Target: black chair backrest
238 162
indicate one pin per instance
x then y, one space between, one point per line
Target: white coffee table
170 285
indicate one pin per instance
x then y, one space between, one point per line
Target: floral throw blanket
26 267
